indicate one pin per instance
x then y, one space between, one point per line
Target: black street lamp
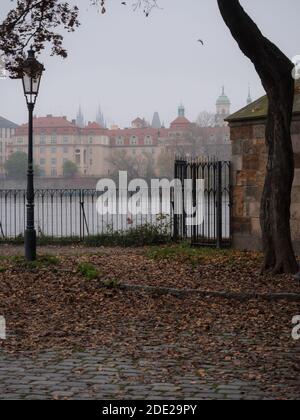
32 72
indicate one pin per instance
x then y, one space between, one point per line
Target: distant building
181 122
186 138
57 140
7 131
223 109
93 147
139 123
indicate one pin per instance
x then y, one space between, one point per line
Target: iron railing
216 227
64 213
71 213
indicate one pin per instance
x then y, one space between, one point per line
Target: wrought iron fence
216 228
70 213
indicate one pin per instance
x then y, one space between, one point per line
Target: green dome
223 99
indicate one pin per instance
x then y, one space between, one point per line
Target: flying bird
200 40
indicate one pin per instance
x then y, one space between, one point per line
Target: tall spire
80 118
156 123
100 118
249 99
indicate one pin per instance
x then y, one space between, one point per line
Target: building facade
57 140
7 132
100 152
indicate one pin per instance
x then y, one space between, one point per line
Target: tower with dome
222 108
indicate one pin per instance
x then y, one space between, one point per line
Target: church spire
249 99
80 118
100 118
156 123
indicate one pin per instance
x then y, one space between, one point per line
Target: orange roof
181 122
49 121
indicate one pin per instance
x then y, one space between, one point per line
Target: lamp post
32 72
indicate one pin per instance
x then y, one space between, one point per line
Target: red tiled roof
50 121
140 133
180 121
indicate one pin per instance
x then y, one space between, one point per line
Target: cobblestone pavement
104 374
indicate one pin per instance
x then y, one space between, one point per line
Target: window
53 161
148 141
65 150
53 140
53 149
43 140
42 172
53 172
77 159
65 140
42 150
120 141
91 140
133 141
20 140
42 161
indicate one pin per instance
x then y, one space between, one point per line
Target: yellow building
7 131
57 140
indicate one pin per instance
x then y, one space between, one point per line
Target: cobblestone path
104 374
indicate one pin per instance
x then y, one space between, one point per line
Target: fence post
80 215
219 204
175 216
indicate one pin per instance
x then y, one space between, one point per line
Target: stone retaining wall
249 166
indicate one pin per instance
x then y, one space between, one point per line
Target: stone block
250 162
237 162
238 201
259 131
237 147
252 193
241 225
241 132
254 209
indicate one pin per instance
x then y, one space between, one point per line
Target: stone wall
249 165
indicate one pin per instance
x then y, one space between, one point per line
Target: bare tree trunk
275 71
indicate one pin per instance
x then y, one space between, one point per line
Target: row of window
53 161
65 140
134 141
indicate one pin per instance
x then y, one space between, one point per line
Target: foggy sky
133 66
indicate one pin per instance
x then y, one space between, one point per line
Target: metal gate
216 227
